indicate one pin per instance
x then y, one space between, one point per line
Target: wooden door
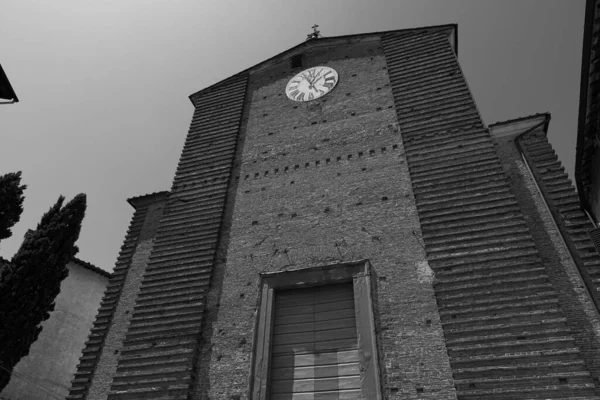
314 353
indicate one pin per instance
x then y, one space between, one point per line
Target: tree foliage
11 202
30 282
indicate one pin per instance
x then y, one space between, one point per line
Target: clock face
311 84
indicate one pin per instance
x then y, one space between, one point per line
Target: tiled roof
91 267
76 260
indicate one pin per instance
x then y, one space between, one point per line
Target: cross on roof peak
314 35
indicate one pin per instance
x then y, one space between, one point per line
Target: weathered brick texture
162 340
102 342
564 204
321 182
581 314
395 166
496 301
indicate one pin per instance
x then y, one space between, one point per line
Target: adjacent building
344 225
587 164
46 373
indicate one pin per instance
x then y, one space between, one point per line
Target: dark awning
6 90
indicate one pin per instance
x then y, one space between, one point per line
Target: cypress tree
11 202
30 282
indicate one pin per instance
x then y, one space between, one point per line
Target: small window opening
297 61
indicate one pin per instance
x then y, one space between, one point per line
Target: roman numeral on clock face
311 83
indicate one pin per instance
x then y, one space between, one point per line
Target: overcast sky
104 85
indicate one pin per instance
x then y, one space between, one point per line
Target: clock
311 84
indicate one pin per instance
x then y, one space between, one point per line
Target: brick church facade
377 242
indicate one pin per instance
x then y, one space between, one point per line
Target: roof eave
91 267
136 201
546 116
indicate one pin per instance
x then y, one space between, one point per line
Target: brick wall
580 294
325 181
580 312
394 165
496 300
563 201
161 344
96 365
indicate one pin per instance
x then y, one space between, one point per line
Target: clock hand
314 81
318 73
312 85
316 76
